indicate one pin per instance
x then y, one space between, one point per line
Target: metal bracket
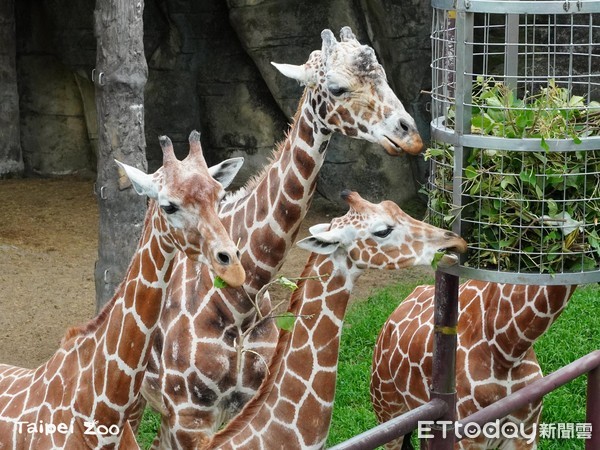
102 190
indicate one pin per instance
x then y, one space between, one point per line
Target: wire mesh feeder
515 152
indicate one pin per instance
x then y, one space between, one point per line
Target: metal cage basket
515 143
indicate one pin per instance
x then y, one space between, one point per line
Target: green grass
573 335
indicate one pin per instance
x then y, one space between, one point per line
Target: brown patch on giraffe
336 282
151 310
350 132
55 391
279 434
301 337
345 115
322 385
286 410
305 164
130 347
118 392
16 405
305 132
286 214
335 121
293 390
109 416
99 374
323 337
200 393
112 338
315 416
267 251
302 358
175 387
148 269
417 384
480 363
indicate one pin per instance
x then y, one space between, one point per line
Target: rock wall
11 160
209 69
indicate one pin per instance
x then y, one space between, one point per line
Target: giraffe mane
253 406
90 326
256 179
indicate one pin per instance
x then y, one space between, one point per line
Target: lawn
573 335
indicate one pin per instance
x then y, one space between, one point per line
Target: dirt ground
48 247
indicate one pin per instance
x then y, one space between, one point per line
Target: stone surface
209 69
11 160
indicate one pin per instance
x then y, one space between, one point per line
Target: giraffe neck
300 386
265 216
117 343
516 315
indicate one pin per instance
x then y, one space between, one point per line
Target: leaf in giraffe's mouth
446 255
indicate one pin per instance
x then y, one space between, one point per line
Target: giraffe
347 92
497 326
293 406
83 395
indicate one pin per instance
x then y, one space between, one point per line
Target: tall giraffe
497 326
346 92
83 395
293 407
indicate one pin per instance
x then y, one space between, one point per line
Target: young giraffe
96 374
346 91
293 407
497 326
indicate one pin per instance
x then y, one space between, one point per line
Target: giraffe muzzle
229 268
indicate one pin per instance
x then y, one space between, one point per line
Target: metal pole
394 428
445 318
593 408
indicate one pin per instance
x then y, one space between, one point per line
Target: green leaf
287 283
436 259
470 172
286 321
544 144
219 282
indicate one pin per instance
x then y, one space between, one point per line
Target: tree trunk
120 76
11 159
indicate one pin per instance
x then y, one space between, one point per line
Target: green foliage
285 321
529 211
219 282
148 428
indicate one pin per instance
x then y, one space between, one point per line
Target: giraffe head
188 193
380 236
350 94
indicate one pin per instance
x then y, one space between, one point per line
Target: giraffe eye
337 90
170 208
383 233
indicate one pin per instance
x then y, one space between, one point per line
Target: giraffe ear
316 245
326 242
299 73
319 228
143 183
226 171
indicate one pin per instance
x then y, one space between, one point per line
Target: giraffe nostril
224 258
405 127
